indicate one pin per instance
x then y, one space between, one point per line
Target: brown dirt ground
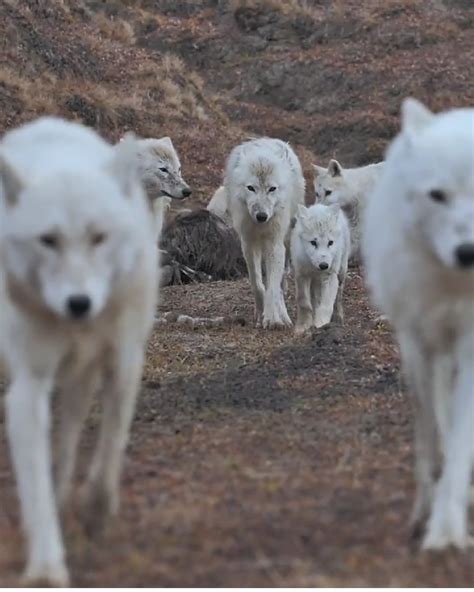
258 459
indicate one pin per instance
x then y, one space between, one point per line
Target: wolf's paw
301 328
98 507
320 324
447 527
46 574
276 320
421 511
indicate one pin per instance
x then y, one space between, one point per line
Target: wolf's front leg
253 258
417 366
275 314
338 308
448 524
304 309
74 406
119 396
323 305
28 425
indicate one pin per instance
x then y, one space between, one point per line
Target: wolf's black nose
186 192
465 255
323 266
78 306
261 217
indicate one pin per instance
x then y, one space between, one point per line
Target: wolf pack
80 223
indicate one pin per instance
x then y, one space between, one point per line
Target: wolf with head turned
264 184
160 171
418 246
78 281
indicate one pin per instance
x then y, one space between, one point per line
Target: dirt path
258 459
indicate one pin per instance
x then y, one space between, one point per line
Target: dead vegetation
201 242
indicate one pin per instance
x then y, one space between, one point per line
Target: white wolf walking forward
264 184
349 189
160 172
78 278
320 246
418 245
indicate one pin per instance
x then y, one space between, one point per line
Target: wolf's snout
78 306
261 217
323 266
186 192
465 255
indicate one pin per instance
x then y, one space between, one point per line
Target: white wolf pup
78 278
264 184
418 245
350 189
320 246
160 171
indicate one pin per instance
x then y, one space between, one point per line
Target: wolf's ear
334 168
302 212
10 179
318 170
167 143
415 116
286 151
124 165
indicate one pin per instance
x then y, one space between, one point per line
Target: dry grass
295 8
115 29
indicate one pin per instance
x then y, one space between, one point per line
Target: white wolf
160 171
320 246
219 205
350 189
264 184
78 278
418 245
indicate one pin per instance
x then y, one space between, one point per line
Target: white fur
74 220
411 247
219 205
320 246
160 172
273 170
348 188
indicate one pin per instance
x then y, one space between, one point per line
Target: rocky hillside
326 75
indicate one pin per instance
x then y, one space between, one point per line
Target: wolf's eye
272 189
327 192
330 243
163 169
251 188
51 241
438 195
98 238
314 243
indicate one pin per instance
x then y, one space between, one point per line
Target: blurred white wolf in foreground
418 245
264 185
78 278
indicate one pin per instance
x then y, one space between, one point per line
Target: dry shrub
177 91
200 241
295 8
115 29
